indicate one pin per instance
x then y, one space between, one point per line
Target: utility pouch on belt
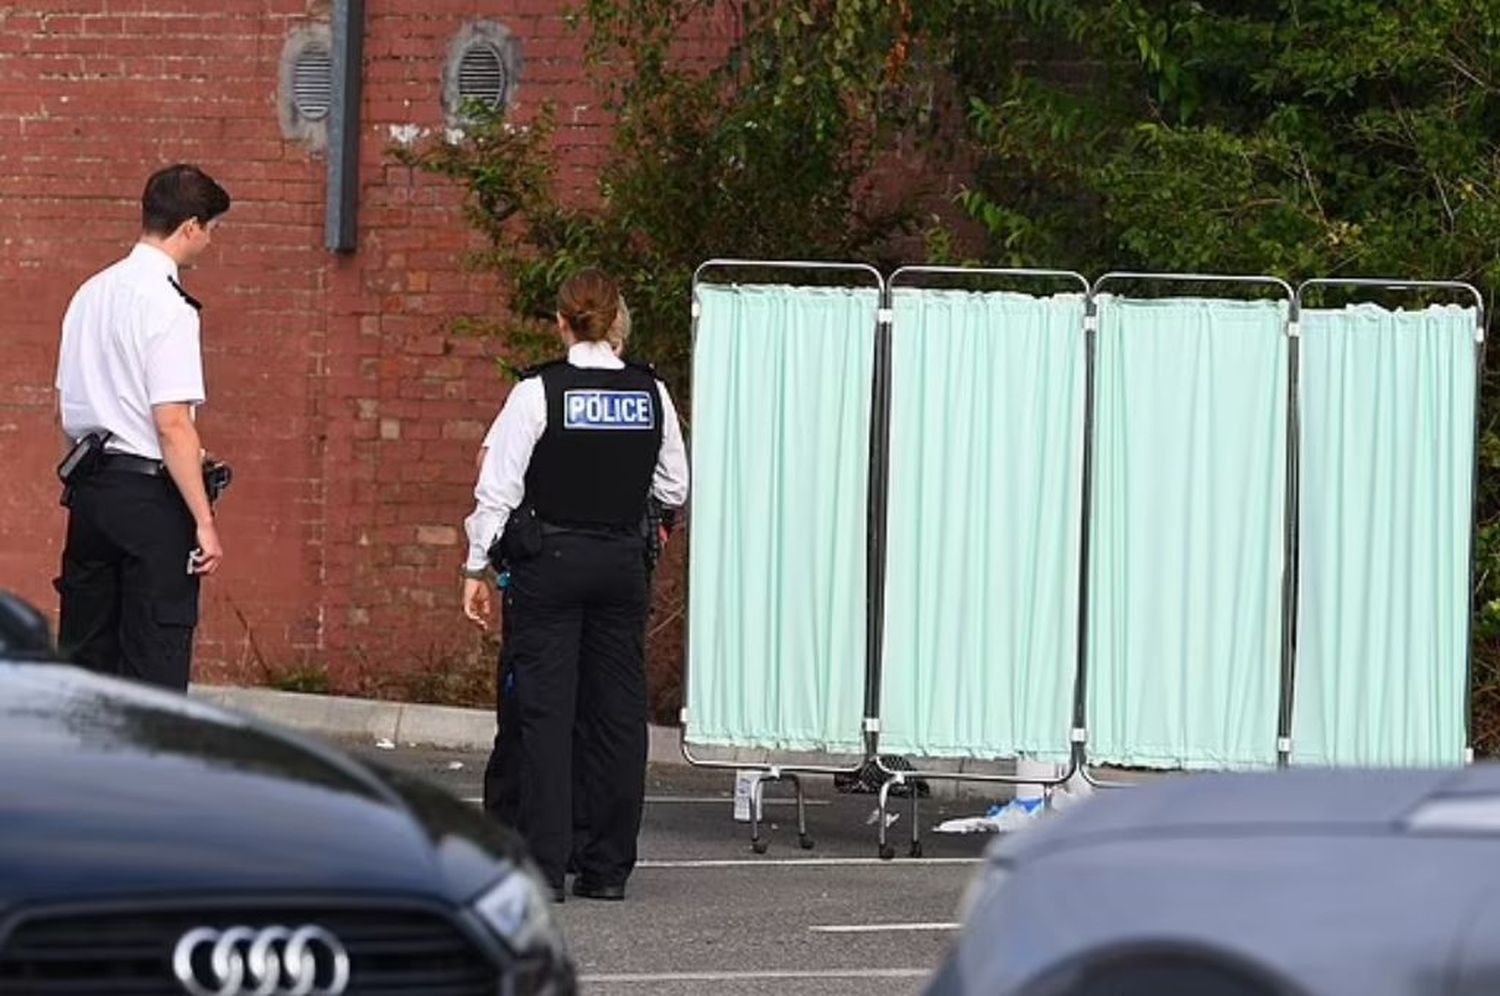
651 524
522 537
656 525
81 461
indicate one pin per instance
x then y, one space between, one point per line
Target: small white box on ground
744 783
1029 768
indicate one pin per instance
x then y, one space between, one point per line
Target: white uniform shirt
129 341
514 434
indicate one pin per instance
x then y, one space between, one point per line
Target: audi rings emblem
268 961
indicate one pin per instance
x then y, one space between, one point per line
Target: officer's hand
477 602
210 553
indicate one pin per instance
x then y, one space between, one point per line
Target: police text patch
598 409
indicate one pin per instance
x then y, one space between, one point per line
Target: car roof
1331 801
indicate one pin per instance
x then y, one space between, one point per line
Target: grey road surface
706 915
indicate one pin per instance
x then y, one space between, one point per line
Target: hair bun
588 301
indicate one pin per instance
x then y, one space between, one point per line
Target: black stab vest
592 466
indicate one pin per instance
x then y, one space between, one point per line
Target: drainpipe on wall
340 231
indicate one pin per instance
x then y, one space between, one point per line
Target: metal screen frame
768 771
1289 538
895 777
877 513
1458 286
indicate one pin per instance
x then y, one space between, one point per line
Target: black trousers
577 639
502 773
129 605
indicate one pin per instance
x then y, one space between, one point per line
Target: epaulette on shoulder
192 301
642 366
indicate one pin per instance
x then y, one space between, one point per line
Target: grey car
1305 882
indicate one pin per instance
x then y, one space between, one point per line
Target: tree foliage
1297 138
1291 137
761 149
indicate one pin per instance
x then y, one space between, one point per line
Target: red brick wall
349 414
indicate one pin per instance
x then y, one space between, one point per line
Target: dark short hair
177 193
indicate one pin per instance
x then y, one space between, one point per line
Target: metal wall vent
312 83
304 92
483 69
482 77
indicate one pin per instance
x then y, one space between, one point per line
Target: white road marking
700 800
659 977
726 801
875 928
804 862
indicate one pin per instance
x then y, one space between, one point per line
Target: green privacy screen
1188 523
1387 449
981 604
781 449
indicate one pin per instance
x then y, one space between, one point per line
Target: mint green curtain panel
1387 449
1188 516
781 444
985 501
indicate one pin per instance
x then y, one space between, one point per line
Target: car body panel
1317 876
108 787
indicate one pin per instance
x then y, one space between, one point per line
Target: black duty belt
587 529
133 464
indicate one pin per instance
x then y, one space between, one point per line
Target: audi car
151 844
1297 883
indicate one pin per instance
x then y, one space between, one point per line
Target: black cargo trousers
577 648
502 773
129 605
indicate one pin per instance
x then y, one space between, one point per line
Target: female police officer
578 448
502 774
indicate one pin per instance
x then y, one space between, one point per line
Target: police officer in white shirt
577 450
130 372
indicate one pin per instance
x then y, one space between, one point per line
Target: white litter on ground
1017 813
1001 818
